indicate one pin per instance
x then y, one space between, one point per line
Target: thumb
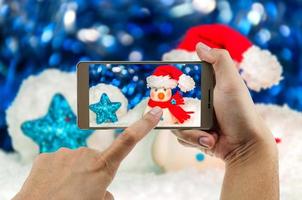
224 66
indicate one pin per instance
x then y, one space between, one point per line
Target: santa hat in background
167 76
259 68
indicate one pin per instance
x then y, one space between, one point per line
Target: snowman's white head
160 94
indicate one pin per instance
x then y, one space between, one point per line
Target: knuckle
41 157
63 150
62 153
185 144
104 164
188 138
179 135
184 135
82 150
149 120
222 53
128 137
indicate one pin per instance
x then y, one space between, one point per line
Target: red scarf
174 107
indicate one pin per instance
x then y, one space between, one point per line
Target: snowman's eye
165 89
155 89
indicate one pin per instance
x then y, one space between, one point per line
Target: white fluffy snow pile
187 184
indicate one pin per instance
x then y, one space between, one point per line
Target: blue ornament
200 157
58 128
105 110
173 101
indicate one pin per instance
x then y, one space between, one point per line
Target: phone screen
175 87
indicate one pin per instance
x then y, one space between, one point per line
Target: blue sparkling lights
35 35
134 87
58 128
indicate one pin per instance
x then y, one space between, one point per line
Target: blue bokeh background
35 35
131 79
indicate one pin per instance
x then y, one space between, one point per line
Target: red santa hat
168 76
259 68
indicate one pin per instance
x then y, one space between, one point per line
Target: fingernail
202 46
156 111
204 141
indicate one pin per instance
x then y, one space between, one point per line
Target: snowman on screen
162 81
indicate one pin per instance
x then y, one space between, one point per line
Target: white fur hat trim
186 83
260 69
161 82
180 55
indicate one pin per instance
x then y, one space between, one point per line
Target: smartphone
115 94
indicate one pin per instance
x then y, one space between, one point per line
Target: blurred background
40 34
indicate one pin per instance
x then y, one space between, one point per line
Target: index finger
126 141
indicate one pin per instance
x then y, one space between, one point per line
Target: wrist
260 148
253 168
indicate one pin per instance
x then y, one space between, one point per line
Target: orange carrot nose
161 95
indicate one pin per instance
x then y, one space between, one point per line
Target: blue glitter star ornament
105 110
58 128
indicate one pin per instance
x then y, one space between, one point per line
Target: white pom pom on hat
168 76
259 68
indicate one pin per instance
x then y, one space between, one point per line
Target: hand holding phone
241 138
